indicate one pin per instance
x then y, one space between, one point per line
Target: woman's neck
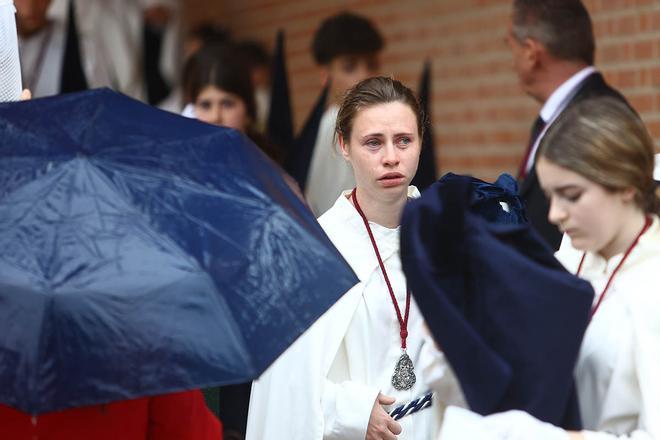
386 213
630 229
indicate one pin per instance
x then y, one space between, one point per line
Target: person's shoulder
338 223
642 274
594 86
332 216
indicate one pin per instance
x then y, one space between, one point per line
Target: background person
596 166
219 86
347 49
337 380
553 49
62 50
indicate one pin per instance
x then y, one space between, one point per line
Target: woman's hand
26 95
381 425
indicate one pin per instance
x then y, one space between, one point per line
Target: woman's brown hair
605 141
373 91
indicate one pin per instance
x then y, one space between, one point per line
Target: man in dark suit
553 53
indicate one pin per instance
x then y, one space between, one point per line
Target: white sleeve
440 377
347 409
635 435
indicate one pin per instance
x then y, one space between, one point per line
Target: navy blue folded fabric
507 315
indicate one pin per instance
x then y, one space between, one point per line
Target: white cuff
635 435
346 409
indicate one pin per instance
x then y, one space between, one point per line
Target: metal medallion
404 374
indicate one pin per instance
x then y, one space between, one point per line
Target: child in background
347 50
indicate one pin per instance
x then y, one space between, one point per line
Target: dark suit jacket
530 190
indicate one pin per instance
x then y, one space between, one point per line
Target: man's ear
324 75
533 51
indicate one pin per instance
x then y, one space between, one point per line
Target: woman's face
383 148
591 215
218 107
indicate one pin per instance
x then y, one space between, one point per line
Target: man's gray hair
562 26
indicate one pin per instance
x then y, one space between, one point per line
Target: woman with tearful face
370 352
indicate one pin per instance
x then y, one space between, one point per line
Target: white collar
346 230
563 94
555 105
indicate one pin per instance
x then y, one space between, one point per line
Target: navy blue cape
507 315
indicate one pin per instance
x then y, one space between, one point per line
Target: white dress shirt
555 104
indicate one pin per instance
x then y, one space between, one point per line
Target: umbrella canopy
508 316
145 253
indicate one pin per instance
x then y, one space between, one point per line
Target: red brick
654 18
477 103
644 50
642 103
625 25
653 128
655 76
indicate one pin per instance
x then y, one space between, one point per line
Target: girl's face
383 148
218 107
592 216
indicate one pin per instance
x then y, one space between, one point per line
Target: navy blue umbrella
145 253
508 316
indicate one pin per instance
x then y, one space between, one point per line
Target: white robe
617 375
329 173
324 386
110 38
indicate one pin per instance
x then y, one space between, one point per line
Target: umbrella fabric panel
122 274
172 248
249 248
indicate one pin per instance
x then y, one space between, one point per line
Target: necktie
539 123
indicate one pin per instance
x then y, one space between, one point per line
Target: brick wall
480 117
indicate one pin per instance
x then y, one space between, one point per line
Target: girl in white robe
596 167
335 381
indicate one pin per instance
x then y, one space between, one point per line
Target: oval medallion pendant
404 374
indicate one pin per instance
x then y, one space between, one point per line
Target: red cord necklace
404 376
647 224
